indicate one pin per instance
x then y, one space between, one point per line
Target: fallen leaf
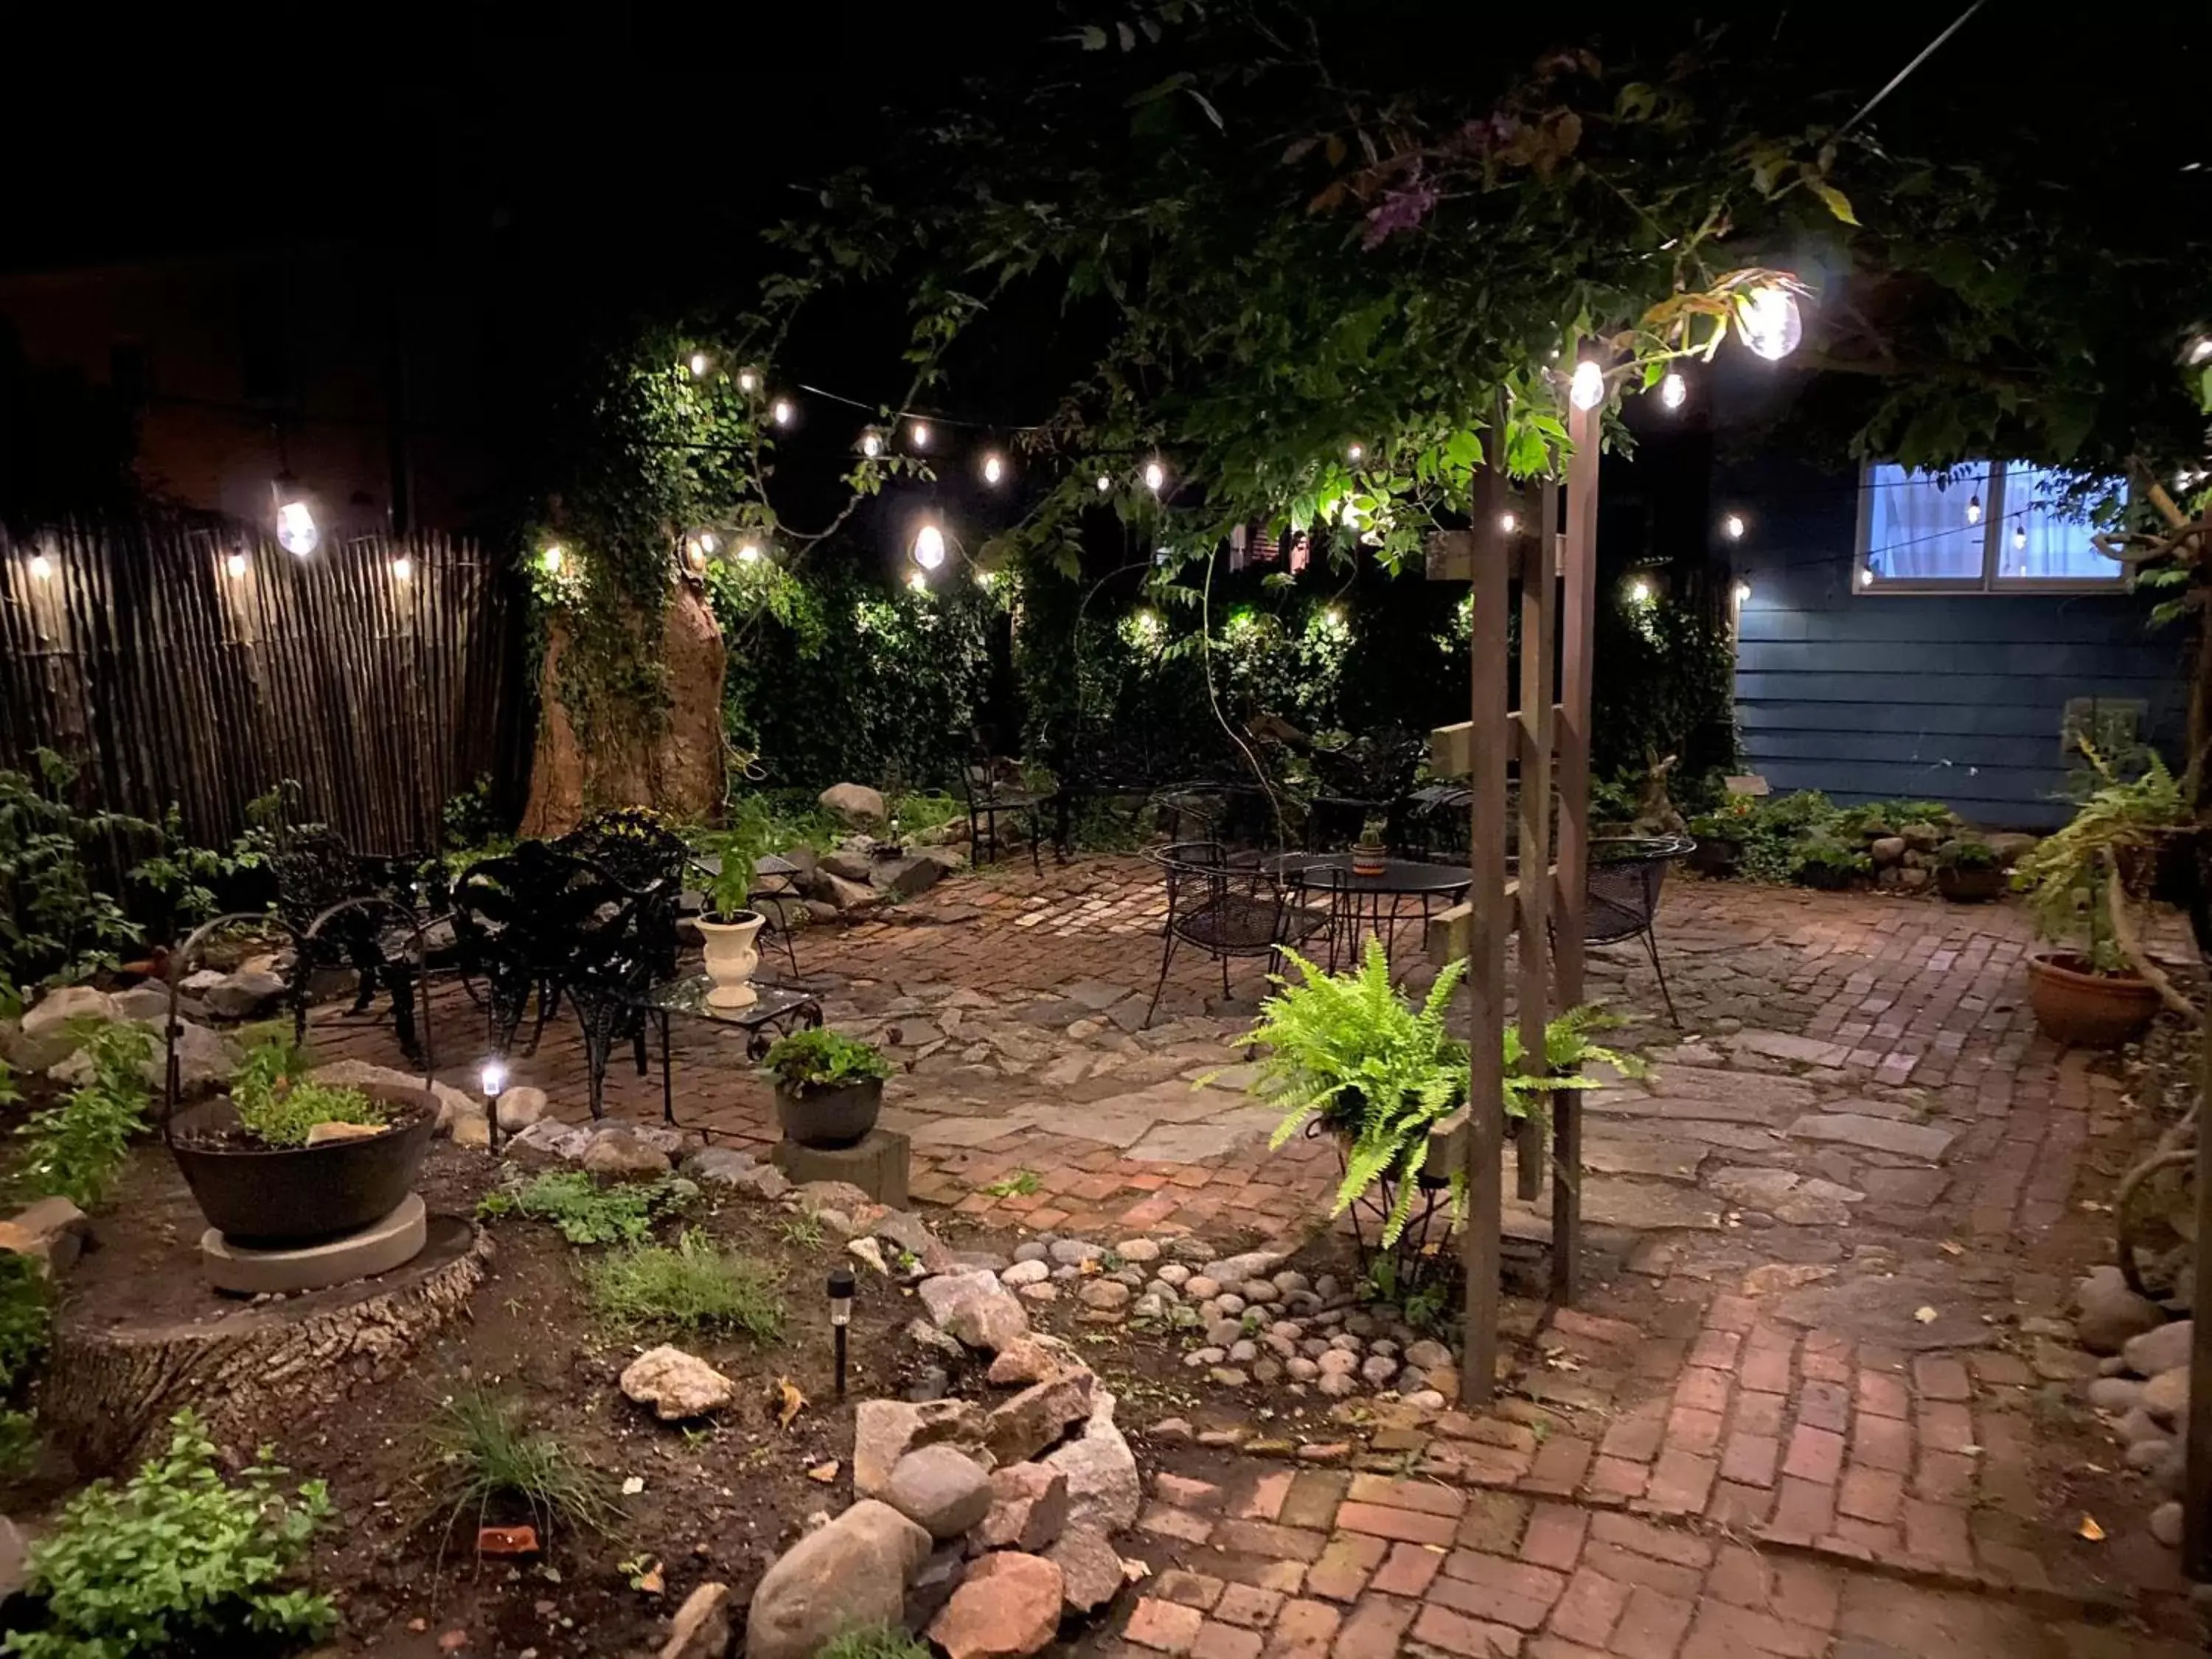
1925 1315
1952 1246
1134 1572
650 1581
791 1401
634 1485
2090 1530
825 1472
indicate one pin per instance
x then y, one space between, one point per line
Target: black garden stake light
841 1316
494 1080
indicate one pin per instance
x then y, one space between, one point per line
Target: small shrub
1828 861
176 1560
873 1642
812 1061
588 1213
277 1103
77 1145
1967 854
489 1454
802 1231
691 1285
25 1307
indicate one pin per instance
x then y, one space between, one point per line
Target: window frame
1992 582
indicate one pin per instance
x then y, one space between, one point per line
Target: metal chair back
1625 874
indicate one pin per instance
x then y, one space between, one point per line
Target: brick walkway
1820 1398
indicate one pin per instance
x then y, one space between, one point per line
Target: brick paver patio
1820 1399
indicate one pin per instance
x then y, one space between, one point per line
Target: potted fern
1347 1054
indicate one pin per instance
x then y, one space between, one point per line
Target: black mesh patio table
776 1011
1376 902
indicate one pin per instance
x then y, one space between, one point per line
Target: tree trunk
669 760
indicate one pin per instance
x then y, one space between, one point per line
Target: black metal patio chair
637 847
993 785
1227 907
346 910
539 922
1626 873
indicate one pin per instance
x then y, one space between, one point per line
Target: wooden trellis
1546 739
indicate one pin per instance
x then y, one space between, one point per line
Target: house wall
1958 698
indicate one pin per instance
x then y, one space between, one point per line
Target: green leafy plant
278 1103
1826 860
587 1212
25 1319
487 1454
1965 853
811 1061
692 1284
1015 1183
2108 849
73 1148
872 1641
801 1232
176 1560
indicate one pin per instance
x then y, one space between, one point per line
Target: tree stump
111 1384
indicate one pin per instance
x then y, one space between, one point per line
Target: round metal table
1377 902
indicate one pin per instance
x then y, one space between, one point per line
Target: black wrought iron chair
637 847
537 921
993 785
348 911
1626 873
1227 907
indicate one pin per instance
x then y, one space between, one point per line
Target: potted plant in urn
1370 854
728 928
828 1087
2080 882
1967 871
1719 834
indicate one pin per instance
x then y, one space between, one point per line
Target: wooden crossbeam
1451 748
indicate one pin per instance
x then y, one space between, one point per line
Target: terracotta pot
2077 1006
732 958
1963 886
830 1117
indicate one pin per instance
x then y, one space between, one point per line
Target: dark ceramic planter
1715 855
2082 1008
280 1196
1828 878
830 1117
1963 886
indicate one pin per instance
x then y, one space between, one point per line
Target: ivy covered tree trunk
664 751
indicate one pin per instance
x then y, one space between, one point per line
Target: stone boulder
620 1149
844 895
246 994
2161 1350
2009 846
1029 1508
1032 1359
559 1140
975 1308
205 1060
905 877
1039 1415
2108 1314
1887 849
679 1386
520 1107
848 866
2166 1396
940 1489
1007 1607
857 804
719 1166
151 1001
701 1628
885 1431
1103 1488
51 1231
851 1572
43 1040
1089 1569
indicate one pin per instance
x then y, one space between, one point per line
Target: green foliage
488 1455
73 1148
587 1212
810 1062
176 1560
691 1286
873 1642
26 1311
2115 833
1965 853
278 1103
471 818
1015 1183
1824 858
19 1443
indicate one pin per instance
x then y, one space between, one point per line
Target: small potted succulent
1967 871
1370 854
728 928
828 1087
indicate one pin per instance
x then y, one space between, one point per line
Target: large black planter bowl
275 1197
830 1117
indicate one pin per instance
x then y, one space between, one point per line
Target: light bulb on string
782 411
402 568
872 443
700 363
929 547
1355 452
994 469
1866 576
1156 477
1587 389
1674 389
917 581
917 434
1734 525
42 567
1743 592
1509 522
1639 592
748 380
1973 509
551 559
296 530
1105 483
2200 350
2018 538
748 554
1768 320
235 564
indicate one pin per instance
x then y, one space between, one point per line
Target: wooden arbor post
1546 740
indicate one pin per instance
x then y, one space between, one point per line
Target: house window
1992 527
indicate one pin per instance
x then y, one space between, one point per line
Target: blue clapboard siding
1951 697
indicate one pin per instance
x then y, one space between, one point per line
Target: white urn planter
732 957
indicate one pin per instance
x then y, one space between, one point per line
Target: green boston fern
810 1062
1379 1074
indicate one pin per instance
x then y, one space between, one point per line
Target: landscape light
1509 522
748 380
1770 321
493 1079
1734 525
1674 390
748 554
235 564
402 568
929 546
297 529
841 1316
1156 477
42 567
781 412
917 434
1587 389
872 443
1973 509
993 468
701 363
550 560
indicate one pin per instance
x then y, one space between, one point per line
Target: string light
1743 592
872 443
1587 389
2018 538
297 529
748 380
701 363
1639 592
917 581
1156 477
235 564
2200 350
550 560
1674 390
782 412
993 468
917 434
402 568
1866 576
1734 526
1355 452
1770 321
42 567
1973 509
929 547
1507 522
748 554
1105 483
1146 623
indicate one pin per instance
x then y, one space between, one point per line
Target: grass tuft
691 1285
489 1453
872 1641
621 1212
